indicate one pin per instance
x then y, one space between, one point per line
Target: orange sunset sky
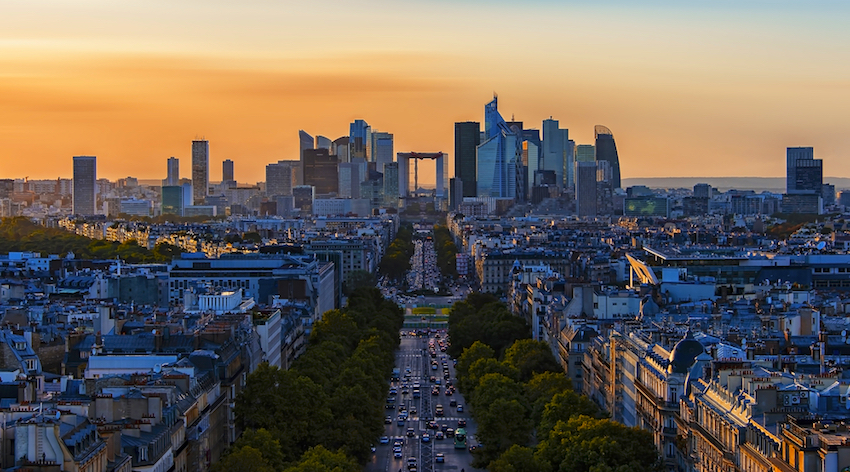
695 88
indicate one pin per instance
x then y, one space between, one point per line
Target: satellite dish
821 245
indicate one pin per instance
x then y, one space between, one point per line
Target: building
441 170
391 189
467 139
382 149
173 169
305 142
557 154
227 172
85 176
360 140
200 171
320 169
585 176
606 150
135 207
498 156
802 203
703 191
803 173
647 205
350 176
303 196
323 142
281 177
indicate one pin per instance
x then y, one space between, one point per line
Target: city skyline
699 90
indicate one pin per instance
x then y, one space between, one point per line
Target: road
413 354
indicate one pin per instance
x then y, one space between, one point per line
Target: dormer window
21 346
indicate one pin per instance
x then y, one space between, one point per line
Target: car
452 403
449 392
400 421
433 425
411 432
440 435
413 411
426 437
444 428
461 423
390 406
397 454
388 419
438 381
450 433
440 458
385 440
433 379
434 367
460 408
399 442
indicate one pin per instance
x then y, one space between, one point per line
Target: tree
583 443
245 459
564 406
263 441
517 459
319 459
501 425
540 390
530 357
358 279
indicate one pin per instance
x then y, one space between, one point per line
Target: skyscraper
227 171
382 149
323 143
391 184
554 151
305 141
85 176
804 173
321 171
467 139
606 150
360 140
173 169
498 156
281 177
200 171
585 175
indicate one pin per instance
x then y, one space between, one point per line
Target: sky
697 88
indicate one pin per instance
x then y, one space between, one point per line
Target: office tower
391 184
200 171
227 171
340 148
531 158
804 173
382 149
586 188
569 161
585 153
172 200
323 143
305 141
360 140
303 196
320 170
85 176
281 177
606 150
702 191
497 158
350 176
554 152
467 139
173 169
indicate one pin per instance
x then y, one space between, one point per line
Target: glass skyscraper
85 177
227 171
554 152
606 150
498 156
360 140
173 175
200 171
803 173
382 149
467 139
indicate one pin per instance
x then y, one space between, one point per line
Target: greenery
358 279
446 249
396 262
21 234
482 317
326 411
529 418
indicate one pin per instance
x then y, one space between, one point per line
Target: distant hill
759 184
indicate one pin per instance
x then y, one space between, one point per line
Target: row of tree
446 249
396 262
330 400
21 234
529 417
482 317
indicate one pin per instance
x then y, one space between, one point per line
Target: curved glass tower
606 150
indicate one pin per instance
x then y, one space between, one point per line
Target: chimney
157 340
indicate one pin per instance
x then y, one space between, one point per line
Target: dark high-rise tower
227 170
606 150
804 173
173 170
200 171
85 176
321 170
467 138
